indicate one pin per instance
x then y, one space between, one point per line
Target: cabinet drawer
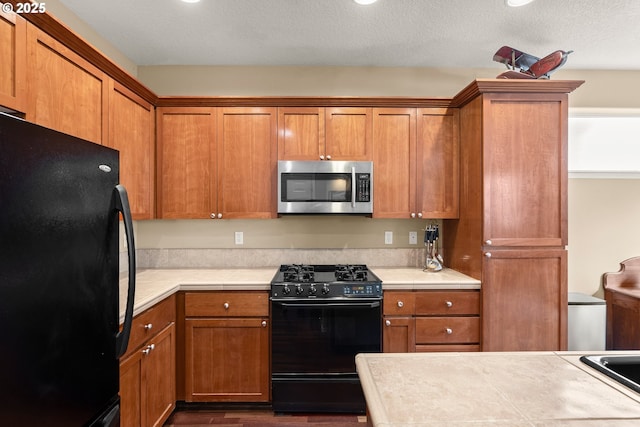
448 303
226 304
151 321
447 330
398 303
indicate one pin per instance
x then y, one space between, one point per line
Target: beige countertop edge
154 285
379 418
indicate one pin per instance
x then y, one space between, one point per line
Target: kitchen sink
623 369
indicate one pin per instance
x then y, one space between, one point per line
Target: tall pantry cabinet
512 229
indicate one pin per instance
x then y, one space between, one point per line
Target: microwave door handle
353 186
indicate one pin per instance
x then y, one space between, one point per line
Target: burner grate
299 273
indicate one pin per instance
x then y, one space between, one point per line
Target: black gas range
321 317
325 282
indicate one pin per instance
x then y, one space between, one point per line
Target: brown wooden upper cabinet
324 133
187 167
216 162
64 91
132 132
416 162
13 51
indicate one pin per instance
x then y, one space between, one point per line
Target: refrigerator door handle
122 205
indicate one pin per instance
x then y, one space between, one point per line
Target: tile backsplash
255 258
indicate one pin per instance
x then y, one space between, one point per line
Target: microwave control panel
363 187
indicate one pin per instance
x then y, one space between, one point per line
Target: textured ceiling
390 33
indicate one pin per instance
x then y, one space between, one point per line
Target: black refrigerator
60 204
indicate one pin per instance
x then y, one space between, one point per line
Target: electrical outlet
388 237
413 237
239 235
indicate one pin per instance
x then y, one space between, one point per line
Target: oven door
314 344
323 336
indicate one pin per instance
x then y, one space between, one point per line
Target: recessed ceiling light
365 1
517 3
191 1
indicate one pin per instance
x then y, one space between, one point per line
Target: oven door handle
374 304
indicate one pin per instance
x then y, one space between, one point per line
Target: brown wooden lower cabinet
147 382
431 321
227 347
147 369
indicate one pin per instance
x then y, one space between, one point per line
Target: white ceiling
604 34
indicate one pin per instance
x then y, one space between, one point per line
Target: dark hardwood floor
260 418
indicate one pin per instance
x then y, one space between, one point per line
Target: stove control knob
286 290
312 290
299 289
325 289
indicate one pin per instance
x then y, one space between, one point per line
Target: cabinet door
13 43
348 133
394 159
131 390
132 132
159 387
186 176
65 92
524 300
227 360
247 161
525 169
398 335
300 133
147 382
438 168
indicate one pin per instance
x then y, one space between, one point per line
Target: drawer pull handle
488 242
148 326
264 323
400 304
148 350
449 304
387 322
449 331
488 254
226 305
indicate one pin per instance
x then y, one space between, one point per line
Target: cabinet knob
148 349
148 326
219 215
321 157
226 305
419 214
264 323
488 242
387 322
213 216
488 254
328 157
449 331
449 304
400 304
413 214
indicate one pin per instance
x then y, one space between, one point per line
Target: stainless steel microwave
325 187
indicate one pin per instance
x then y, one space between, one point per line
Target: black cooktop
325 281
304 273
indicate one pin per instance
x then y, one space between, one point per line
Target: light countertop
524 389
154 285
